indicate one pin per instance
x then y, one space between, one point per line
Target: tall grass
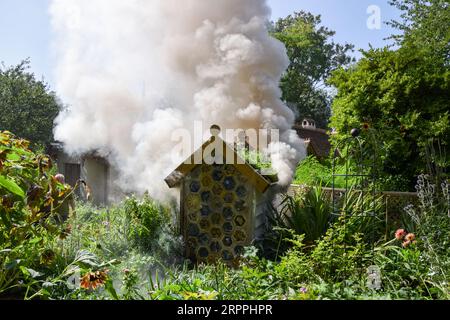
307 213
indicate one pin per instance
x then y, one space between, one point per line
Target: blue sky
25 28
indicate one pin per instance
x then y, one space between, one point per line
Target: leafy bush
335 257
31 199
364 213
144 218
307 213
341 255
27 106
424 265
135 236
311 172
254 280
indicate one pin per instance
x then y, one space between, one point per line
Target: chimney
309 124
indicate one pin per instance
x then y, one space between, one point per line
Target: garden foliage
132 251
308 213
30 202
27 106
401 93
313 55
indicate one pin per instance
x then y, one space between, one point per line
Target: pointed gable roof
227 154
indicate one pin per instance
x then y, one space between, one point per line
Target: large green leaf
11 186
13 157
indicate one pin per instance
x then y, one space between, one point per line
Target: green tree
313 57
27 107
424 26
403 94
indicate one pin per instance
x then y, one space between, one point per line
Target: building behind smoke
206 61
100 177
317 140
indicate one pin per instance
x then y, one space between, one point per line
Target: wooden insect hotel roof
227 154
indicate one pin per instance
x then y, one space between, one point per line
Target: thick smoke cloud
134 71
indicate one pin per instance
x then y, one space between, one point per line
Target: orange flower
406 244
410 237
93 280
400 234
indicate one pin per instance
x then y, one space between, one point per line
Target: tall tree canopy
27 107
403 94
424 26
313 57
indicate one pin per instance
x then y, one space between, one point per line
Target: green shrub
341 255
295 267
307 213
135 234
311 172
256 159
422 267
30 199
145 218
363 213
254 280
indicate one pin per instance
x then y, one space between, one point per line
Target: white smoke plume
134 71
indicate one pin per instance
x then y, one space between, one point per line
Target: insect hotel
222 204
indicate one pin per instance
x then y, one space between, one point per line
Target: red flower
400 234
